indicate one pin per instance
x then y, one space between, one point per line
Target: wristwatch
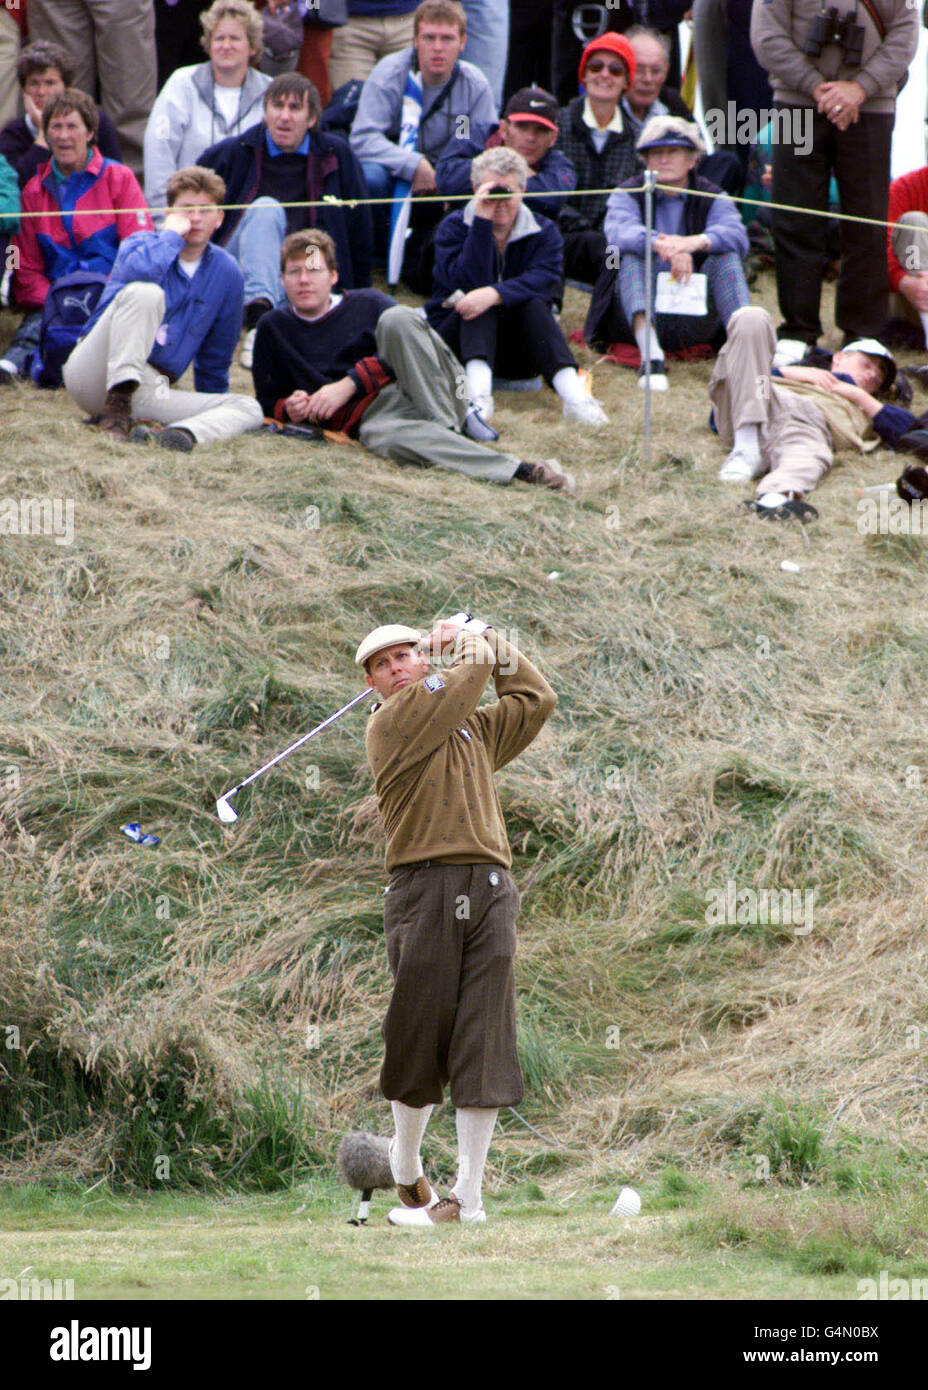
468 623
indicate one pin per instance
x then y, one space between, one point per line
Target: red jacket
51 245
906 194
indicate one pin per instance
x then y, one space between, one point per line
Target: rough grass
215 1002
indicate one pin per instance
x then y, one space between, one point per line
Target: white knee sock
410 1122
748 440
479 378
924 319
475 1130
657 352
569 385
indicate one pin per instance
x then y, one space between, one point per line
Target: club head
224 811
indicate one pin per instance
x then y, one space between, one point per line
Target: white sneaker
586 412
659 380
484 407
788 351
247 354
739 467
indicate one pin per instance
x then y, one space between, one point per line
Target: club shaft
299 743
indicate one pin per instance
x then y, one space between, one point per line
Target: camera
831 27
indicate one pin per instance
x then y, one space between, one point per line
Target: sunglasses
600 65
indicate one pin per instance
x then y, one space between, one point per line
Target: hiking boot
144 432
176 437
117 411
548 474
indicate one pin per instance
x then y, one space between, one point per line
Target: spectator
577 23
498 270
203 104
786 423
529 62
286 159
650 96
44 70
172 299
79 182
838 117
907 249
488 41
113 40
359 363
375 29
455 96
529 126
9 220
746 83
690 233
12 28
320 22
600 144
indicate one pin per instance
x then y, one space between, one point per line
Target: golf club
223 809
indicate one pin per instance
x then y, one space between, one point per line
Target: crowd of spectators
485 154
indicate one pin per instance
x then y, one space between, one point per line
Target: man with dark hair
173 298
529 126
44 70
451 904
103 204
358 363
287 159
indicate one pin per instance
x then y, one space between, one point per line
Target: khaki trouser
910 247
116 349
113 40
795 440
9 52
416 420
361 43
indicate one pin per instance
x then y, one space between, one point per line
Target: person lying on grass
363 365
173 298
785 424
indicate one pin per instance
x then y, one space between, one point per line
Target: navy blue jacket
202 316
331 168
452 172
466 258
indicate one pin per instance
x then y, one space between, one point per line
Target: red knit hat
614 43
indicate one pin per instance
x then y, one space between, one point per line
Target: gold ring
838 107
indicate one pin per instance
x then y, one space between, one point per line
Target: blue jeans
380 183
487 44
256 244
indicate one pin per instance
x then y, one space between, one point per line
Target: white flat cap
381 637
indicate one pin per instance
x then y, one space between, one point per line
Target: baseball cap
661 131
532 104
873 348
612 43
390 636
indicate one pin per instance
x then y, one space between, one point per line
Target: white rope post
650 179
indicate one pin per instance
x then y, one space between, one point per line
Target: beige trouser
361 43
113 40
9 52
116 349
795 440
910 247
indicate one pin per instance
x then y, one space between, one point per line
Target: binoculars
832 27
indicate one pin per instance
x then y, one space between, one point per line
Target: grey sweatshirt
376 126
778 32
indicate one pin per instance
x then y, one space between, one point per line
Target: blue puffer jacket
466 258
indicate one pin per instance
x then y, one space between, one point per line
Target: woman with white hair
691 232
498 269
200 105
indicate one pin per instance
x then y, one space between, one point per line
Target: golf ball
628 1203
555 574
789 567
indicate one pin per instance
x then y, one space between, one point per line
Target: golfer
451 904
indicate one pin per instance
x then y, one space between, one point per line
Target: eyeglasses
600 65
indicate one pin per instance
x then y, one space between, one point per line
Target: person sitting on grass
785 424
173 298
103 203
363 365
691 233
498 269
